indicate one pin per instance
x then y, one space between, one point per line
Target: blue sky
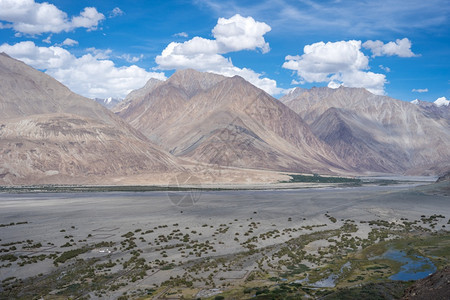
107 48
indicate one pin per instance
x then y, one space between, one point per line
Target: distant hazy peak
292 94
108 102
440 102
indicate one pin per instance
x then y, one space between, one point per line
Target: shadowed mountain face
228 122
375 133
50 134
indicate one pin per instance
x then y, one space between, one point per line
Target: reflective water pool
413 268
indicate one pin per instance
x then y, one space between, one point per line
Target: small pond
413 268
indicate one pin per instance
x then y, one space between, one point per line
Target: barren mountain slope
136 95
387 134
234 123
342 130
49 134
433 111
146 108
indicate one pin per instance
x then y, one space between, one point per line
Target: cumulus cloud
99 53
234 34
88 75
338 63
442 101
69 42
29 17
401 48
238 33
420 90
116 12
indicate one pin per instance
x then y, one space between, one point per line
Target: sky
106 49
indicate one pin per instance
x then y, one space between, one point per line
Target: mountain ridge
251 120
49 133
404 136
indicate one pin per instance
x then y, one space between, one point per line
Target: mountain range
228 122
49 134
375 133
109 102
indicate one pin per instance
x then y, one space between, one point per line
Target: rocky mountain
436 110
49 134
136 95
108 102
228 122
148 107
375 133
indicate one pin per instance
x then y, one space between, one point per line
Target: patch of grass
322 179
70 254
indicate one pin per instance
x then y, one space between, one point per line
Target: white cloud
116 12
29 17
295 82
238 33
338 63
401 48
386 69
100 53
234 34
131 59
88 18
442 101
69 42
48 40
88 75
420 90
181 34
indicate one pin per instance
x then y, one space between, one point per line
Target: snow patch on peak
416 101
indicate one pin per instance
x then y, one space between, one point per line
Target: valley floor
204 243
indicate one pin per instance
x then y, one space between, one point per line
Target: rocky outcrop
436 287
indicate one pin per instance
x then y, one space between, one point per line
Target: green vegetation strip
321 179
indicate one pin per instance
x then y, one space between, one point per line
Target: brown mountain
431 110
147 107
375 133
136 95
49 134
228 122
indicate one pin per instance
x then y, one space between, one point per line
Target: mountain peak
193 82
